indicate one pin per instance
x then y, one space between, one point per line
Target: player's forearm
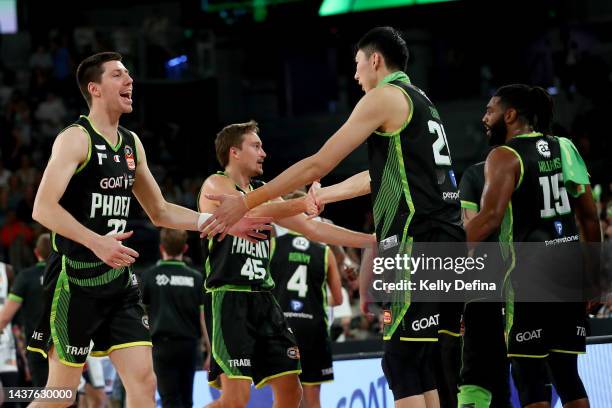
354 186
174 216
55 218
366 271
335 235
279 209
300 174
482 225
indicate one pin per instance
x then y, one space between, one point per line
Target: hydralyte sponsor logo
425 322
451 175
529 335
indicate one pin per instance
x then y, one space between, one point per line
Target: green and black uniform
27 290
250 337
484 361
548 263
173 295
299 268
83 298
545 312
415 199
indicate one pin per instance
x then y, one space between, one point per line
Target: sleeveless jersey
413 185
540 205
235 263
99 193
299 269
8 352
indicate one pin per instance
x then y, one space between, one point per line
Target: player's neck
106 123
240 179
172 258
519 130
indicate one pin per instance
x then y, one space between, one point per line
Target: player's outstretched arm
354 186
327 233
69 151
249 228
369 114
502 172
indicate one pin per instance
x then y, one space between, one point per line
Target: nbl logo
559 228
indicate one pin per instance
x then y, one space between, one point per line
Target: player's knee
567 381
235 400
530 376
295 393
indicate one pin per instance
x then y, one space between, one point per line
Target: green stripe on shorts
219 350
59 315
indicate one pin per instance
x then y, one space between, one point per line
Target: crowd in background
37 102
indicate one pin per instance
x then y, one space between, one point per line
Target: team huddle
265 294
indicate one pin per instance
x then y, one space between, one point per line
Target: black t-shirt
27 289
174 295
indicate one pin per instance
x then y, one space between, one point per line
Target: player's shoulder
217 181
474 170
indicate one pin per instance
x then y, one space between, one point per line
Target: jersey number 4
439 144
553 185
297 282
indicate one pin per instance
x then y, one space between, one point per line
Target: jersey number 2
297 282
118 226
439 144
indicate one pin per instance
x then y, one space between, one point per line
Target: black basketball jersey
237 262
540 207
299 269
99 193
413 184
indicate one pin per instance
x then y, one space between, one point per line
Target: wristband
202 219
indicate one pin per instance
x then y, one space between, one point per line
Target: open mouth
126 96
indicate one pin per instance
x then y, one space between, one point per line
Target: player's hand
364 306
313 194
231 209
112 252
251 228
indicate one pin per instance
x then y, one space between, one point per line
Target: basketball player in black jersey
302 271
536 187
414 195
84 198
250 339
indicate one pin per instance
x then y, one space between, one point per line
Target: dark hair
388 42
532 103
43 245
173 241
232 136
90 70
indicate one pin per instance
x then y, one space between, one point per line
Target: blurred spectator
41 59
27 174
5 174
14 228
52 115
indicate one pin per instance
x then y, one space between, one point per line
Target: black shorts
250 338
409 367
484 360
74 314
537 329
315 353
